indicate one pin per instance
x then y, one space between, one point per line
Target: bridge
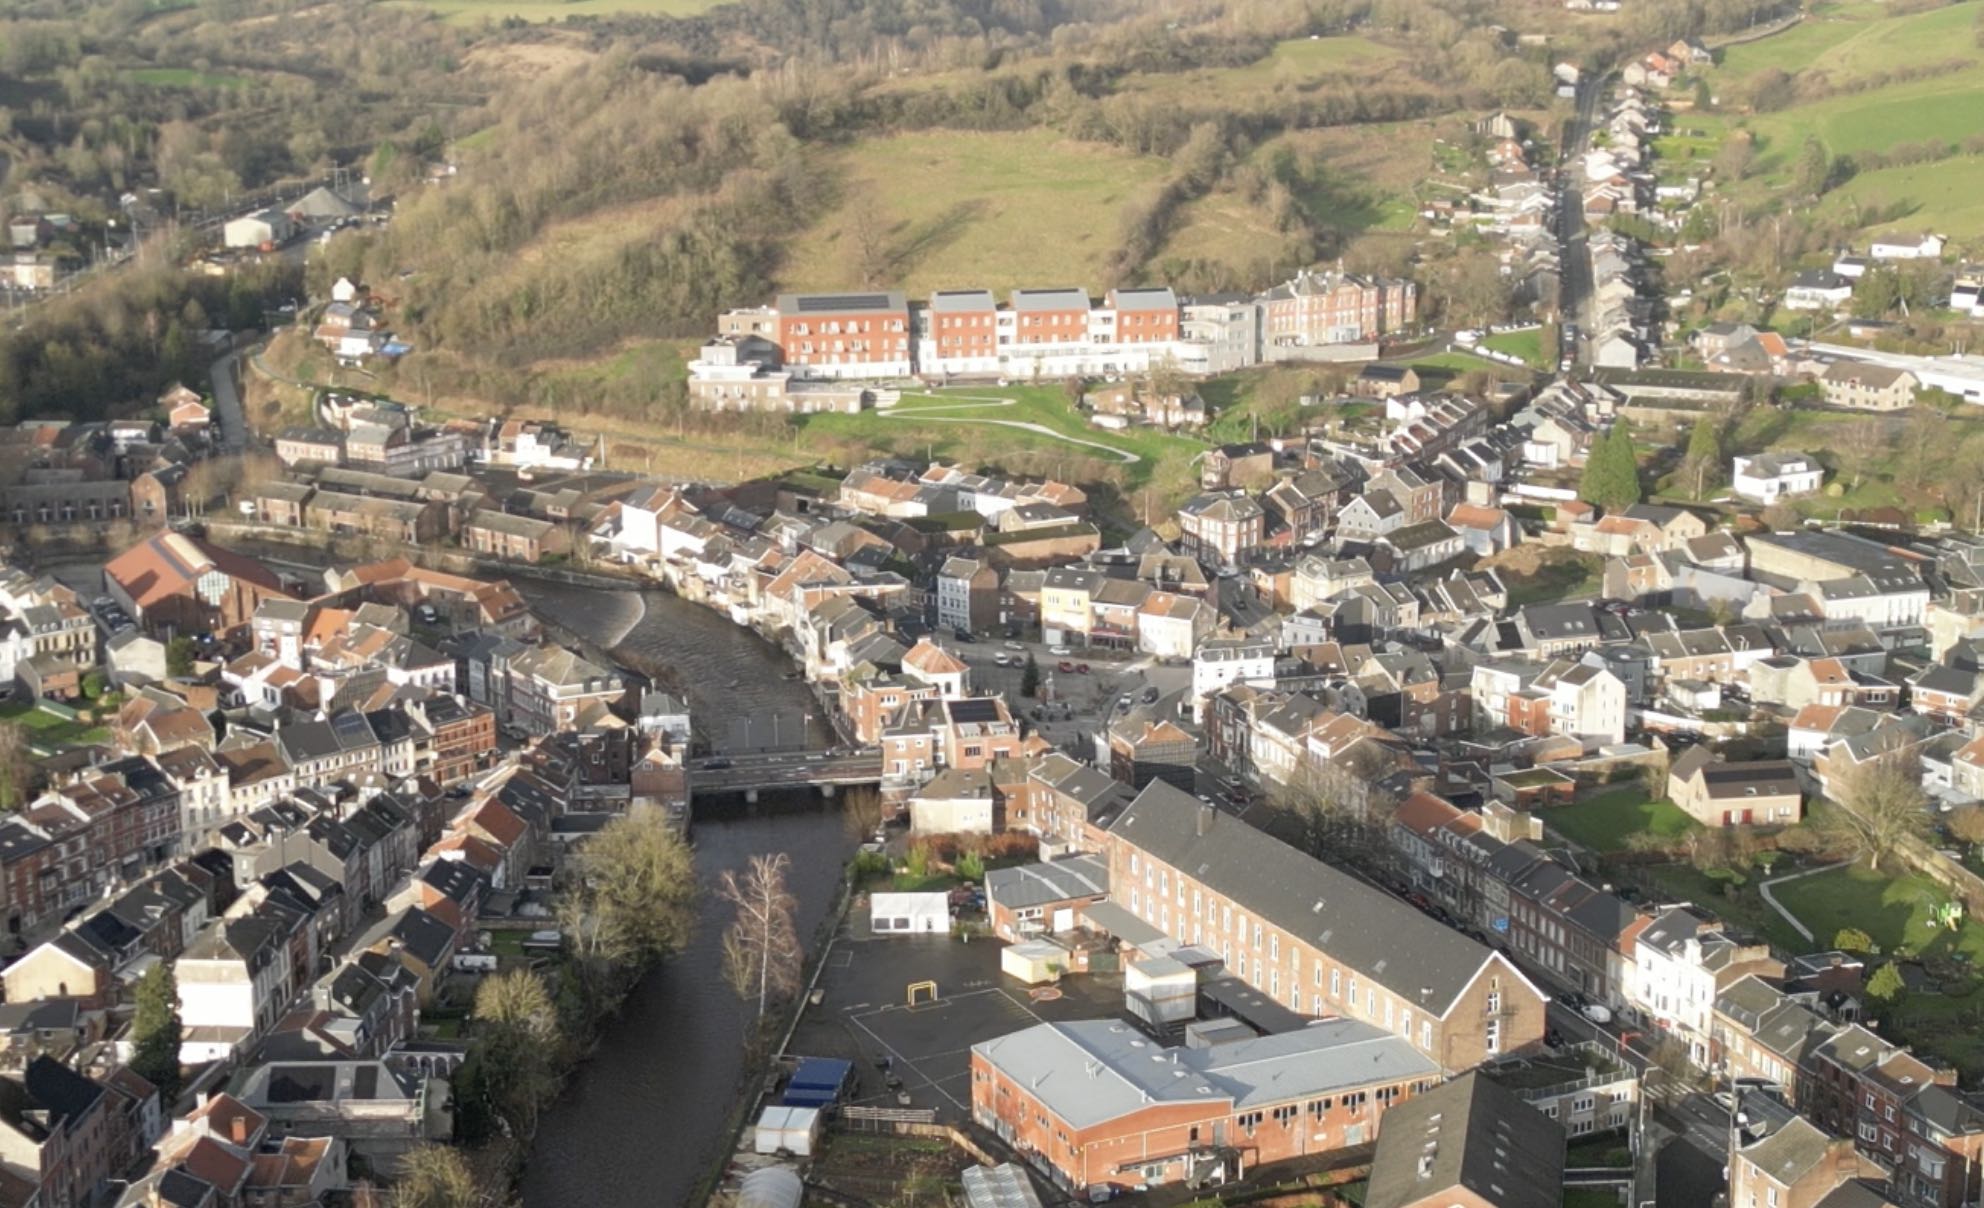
761 771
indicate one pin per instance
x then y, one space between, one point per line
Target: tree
1611 477
762 956
1705 452
1852 939
435 1176
970 866
1733 160
1879 805
155 1032
16 765
1967 823
1876 293
1856 446
1886 984
517 1024
632 901
1814 168
179 656
1030 676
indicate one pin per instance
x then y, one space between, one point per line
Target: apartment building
854 335
1336 308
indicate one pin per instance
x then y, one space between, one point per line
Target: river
644 1118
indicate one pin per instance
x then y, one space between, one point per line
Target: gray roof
954 301
1790 1153
1050 299
1160 298
1088 1072
1001 1186
840 304
1470 1133
1361 927
1050 881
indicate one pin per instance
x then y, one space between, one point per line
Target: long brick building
1314 938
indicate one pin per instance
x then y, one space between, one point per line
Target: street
1573 261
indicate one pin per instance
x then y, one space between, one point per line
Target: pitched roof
1361 927
1470 1133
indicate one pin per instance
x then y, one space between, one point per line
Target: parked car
1598 1013
1015 647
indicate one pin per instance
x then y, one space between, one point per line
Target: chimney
1206 814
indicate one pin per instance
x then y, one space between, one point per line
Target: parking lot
924 1051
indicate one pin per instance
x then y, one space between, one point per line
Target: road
1573 257
788 770
227 403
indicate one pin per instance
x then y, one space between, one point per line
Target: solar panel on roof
815 303
974 711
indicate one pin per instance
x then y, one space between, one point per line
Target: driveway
227 403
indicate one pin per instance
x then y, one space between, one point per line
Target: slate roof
1361 927
1470 1133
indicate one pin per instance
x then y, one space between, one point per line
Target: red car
1066 667
1081 669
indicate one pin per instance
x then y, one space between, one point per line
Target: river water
644 1118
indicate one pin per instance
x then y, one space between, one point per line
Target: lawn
1892 907
1609 1149
1946 196
975 420
50 731
1574 577
183 77
1525 344
956 209
470 11
1605 822
1855 43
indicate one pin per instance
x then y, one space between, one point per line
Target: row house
1336 308
1315 939
1683 961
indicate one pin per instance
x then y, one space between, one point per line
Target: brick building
1098 1105
845 335
1314 938
1336 308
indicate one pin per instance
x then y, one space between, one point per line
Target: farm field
1292 66
468 12
957 209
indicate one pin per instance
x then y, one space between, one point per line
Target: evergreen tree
1886 985
1030 676
155 1032
1611 472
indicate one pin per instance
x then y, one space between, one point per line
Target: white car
1058 651
1597 1013
1015 647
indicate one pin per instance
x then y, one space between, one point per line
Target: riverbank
652 1116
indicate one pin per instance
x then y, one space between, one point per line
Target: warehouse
1103 1105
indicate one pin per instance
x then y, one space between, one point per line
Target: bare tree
16 765
1855 447
762 955
1878 806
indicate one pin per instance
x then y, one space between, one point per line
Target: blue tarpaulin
821 1073
810 1096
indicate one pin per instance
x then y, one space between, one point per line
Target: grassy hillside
472 11
943 209
1862 83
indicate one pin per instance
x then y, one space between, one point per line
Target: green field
184 77
1841 46
1292 66
961 209
974 423
471 11
1605 822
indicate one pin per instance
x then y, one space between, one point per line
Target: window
1336 983
1249 1121
1492 1039
1494 1002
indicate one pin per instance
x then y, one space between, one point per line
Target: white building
1911 246
1226 661
233 986
1769 477
254 230
1588 703
1681 962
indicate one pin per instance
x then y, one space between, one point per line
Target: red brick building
1144 316
1097 1104
1336 308
964 325
845 335
1050 316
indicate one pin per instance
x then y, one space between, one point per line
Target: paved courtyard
864 1017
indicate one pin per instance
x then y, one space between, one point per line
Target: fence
910 1122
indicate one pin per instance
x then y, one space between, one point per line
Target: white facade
1217 664
1589 707
1768 479
1906 247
